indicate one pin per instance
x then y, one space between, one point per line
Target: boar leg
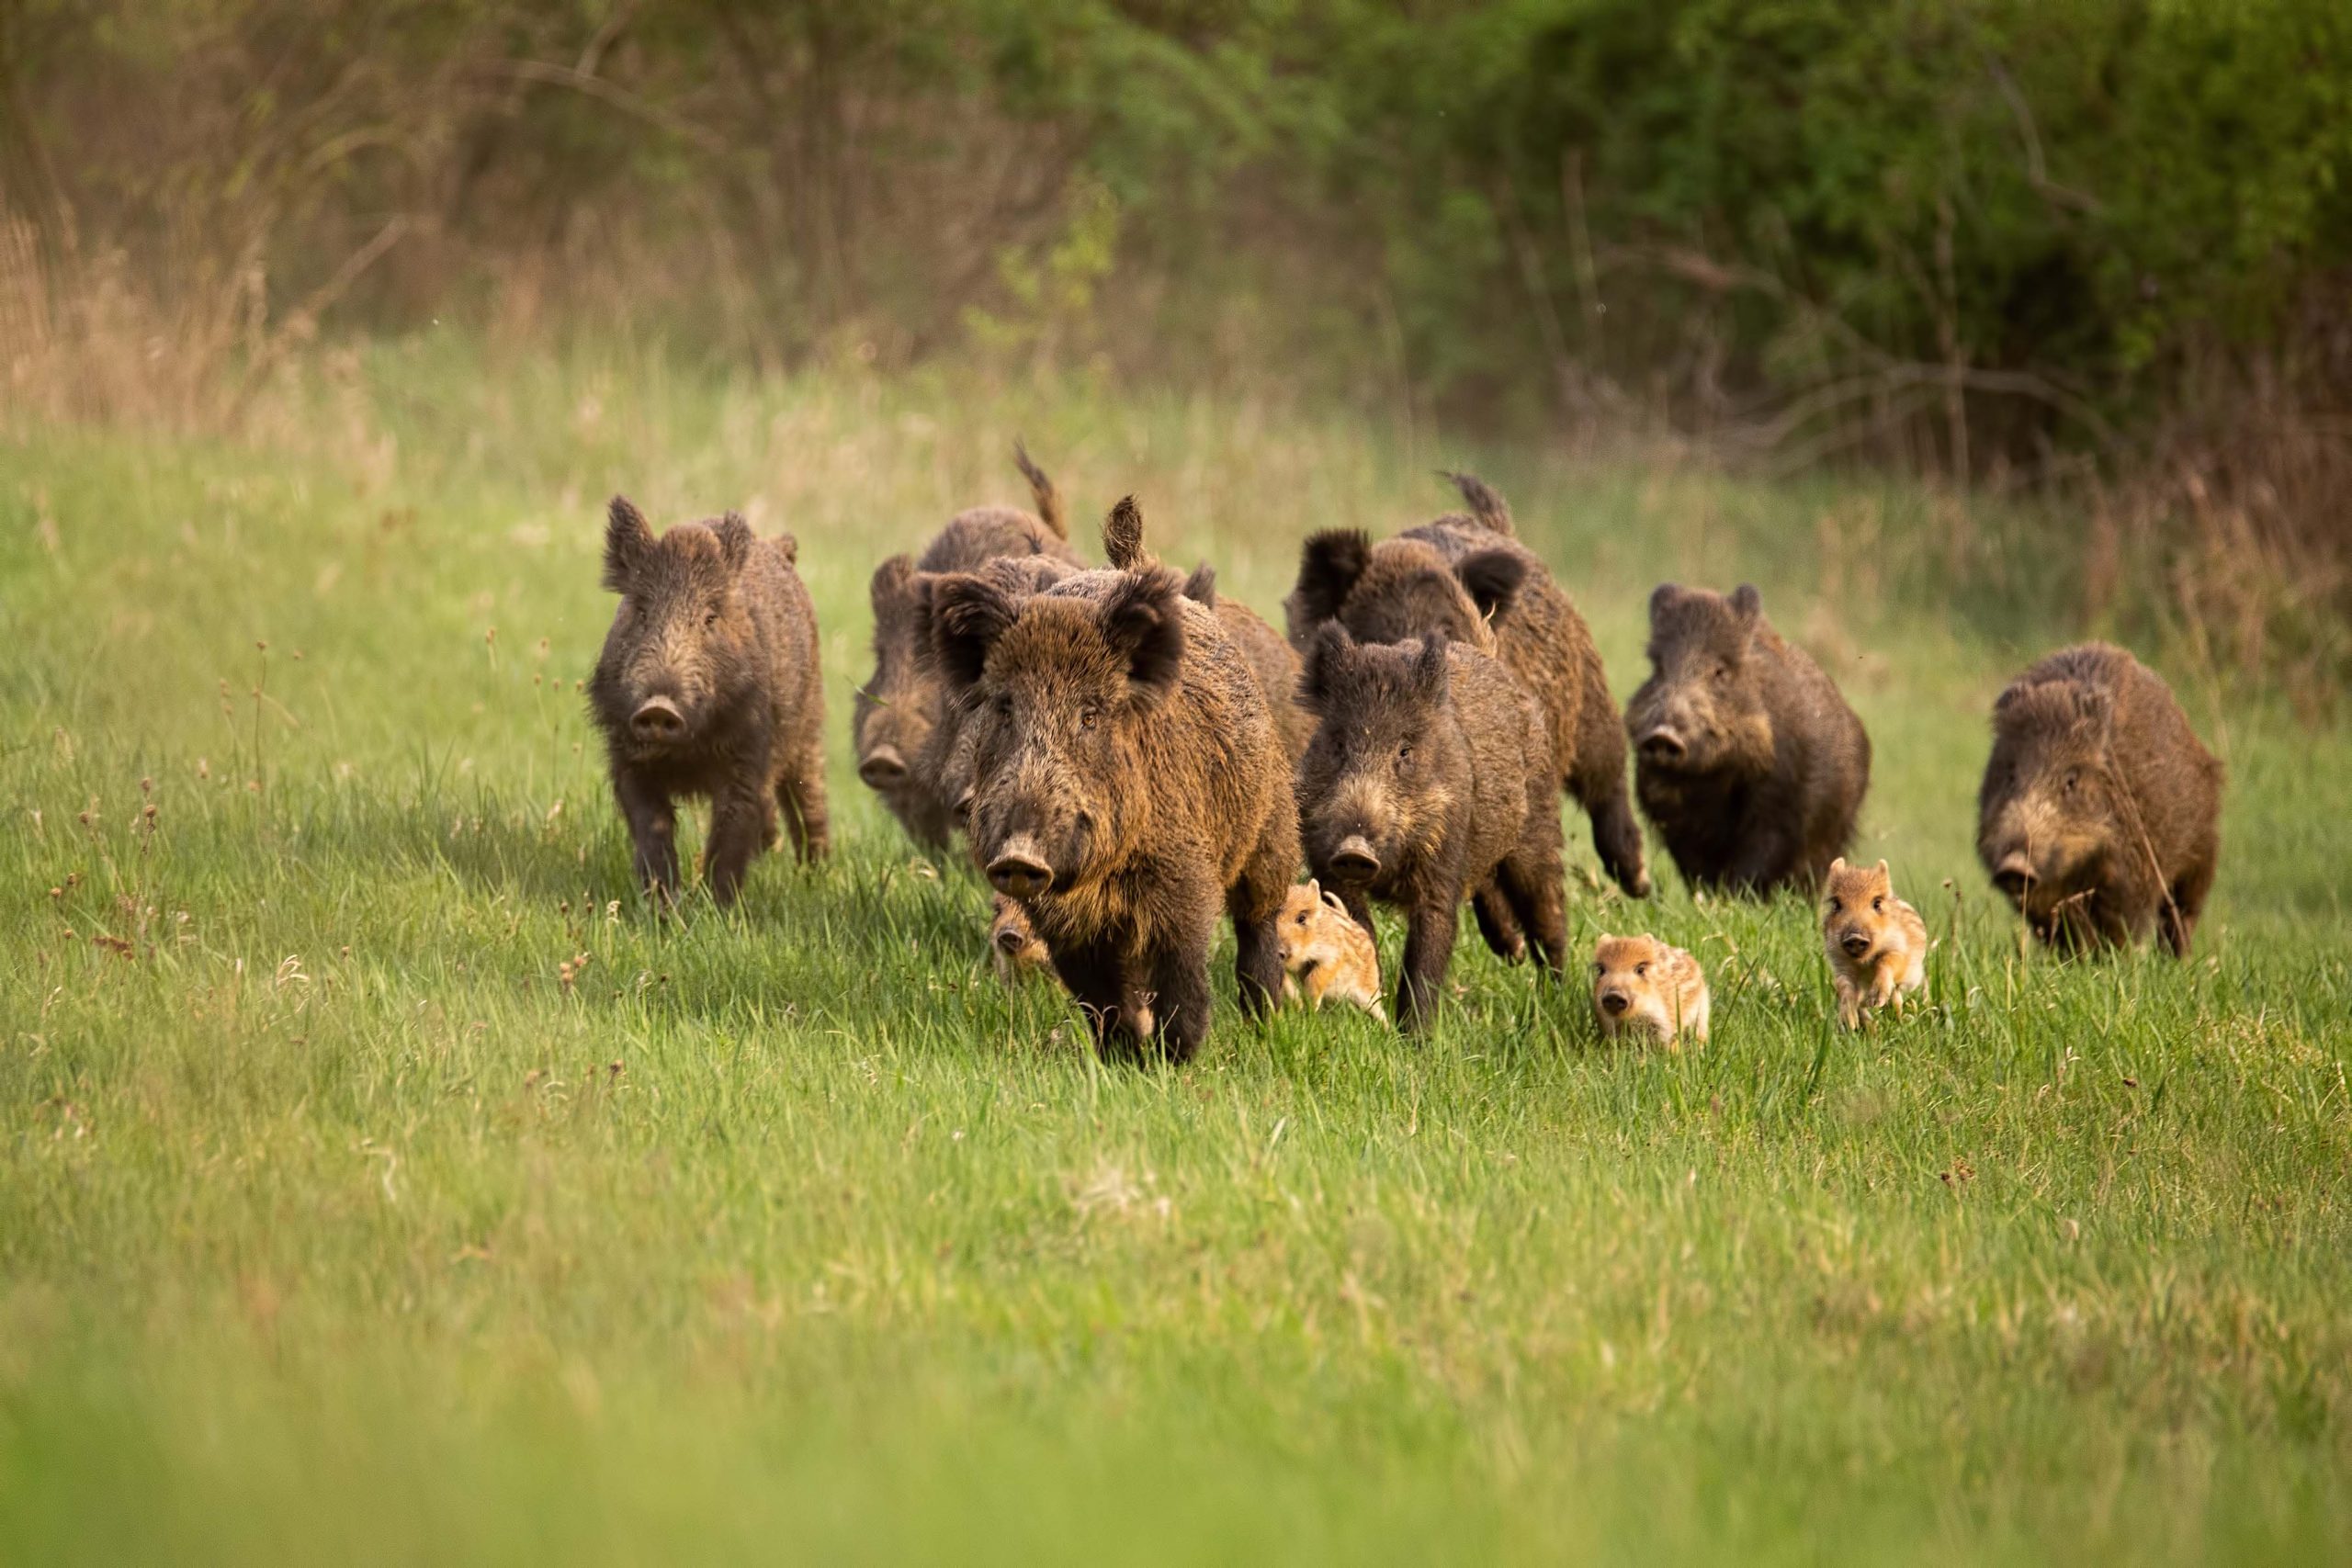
800 796
1095 977
1530 879
1254 904
1181 997
1430 929
1498 925
2186 903
652 821
1616 837
1761 863
740 826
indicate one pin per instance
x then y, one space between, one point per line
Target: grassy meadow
379 1182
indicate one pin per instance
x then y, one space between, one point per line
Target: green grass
342 1218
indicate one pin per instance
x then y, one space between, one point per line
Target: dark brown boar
1128 786
902 705
709 686
1429 775
1748 760
1467 576
2100 811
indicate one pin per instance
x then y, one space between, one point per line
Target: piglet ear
1315 887
734 540
968 615
627 540
1329 565
1431 670
1836 868
1143 620
1745 602
1321 672
1492 579
1882 872
1663 598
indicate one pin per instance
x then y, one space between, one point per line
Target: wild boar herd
1130 755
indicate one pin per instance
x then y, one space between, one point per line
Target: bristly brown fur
1431 761
1467 577
900 722
2099 814
716 642
1748 760
1127 786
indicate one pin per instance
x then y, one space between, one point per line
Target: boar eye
1600 969
1878 905
1835 905
1405 752
1641 968
1003 706
1302 917
2072 779
710 617
1088 718
1722 674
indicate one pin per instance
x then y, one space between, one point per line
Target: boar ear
968 615
2095 710
1142 620
1663 598
1329 565
734 540
1492 579
1315 887
1201 587
1882 872
1122 537
1745 602
1322 668
627 539
1836 869
1431 669
890 580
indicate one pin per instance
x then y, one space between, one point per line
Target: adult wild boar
1429 775
1467 576
900 706
709 686
1747 758
1128 786
2100 811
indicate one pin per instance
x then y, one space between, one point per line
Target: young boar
1877 943
1012 945
902 705
1324 953
1748 760
709 686
1128 786
1465 575
1429 775
1640 985
2100 811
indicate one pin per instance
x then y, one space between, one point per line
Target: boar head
683 648
1378 782
1399 589
1053 690
2051 804
1704 706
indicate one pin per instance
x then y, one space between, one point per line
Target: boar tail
1123 537
1049 500
1487 504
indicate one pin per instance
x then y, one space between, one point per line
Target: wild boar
1429 775
1012 945
1467 575
1128 786
2100 811
1641 986
901 703
1877 943
1749 762
709 686
1326 956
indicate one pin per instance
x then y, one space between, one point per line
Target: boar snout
1856 943
1614 1003
1663 743
1010 941
883 768
1020 870
1355 860
2014 875
657 719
